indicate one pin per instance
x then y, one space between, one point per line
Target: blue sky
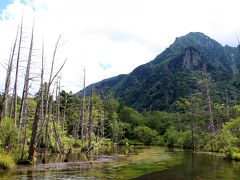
4 3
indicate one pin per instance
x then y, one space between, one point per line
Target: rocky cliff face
191 59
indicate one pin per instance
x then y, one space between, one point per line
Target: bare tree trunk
64 111
58 98
51 79
103 124
38 111
16 76
90 120
57 138
82 109
5 98
99 124
32 145
23 108
193 126
46 145
210 114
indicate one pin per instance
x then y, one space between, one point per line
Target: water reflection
127 163
199 166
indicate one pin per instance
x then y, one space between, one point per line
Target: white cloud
122 33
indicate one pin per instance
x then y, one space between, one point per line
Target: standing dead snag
32 145
58 98
5 99
57 118
57 138
23 107
82 110
38 114
210 114
64 110
47 97
16 75
193 125
90 121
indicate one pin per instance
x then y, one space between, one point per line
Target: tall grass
6 161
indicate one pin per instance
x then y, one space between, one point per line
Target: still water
133 163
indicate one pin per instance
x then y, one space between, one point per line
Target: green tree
173 137
145 134
160 121
131 116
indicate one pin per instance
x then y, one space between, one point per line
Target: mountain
175 73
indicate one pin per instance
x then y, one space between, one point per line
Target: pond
130 163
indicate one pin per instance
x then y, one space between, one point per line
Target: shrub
145 134
232 153
159 140
173 138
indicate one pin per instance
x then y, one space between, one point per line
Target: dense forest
171 115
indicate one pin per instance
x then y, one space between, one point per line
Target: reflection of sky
3 4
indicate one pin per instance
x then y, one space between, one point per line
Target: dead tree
16 75
82 109
46 100
209 101
38 114
57 139
64 111
193 125
32 145
90 120
5 99
58 98
57 119
23 107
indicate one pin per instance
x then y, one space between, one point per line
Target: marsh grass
6 161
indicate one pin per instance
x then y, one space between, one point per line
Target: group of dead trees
9 106
44 124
